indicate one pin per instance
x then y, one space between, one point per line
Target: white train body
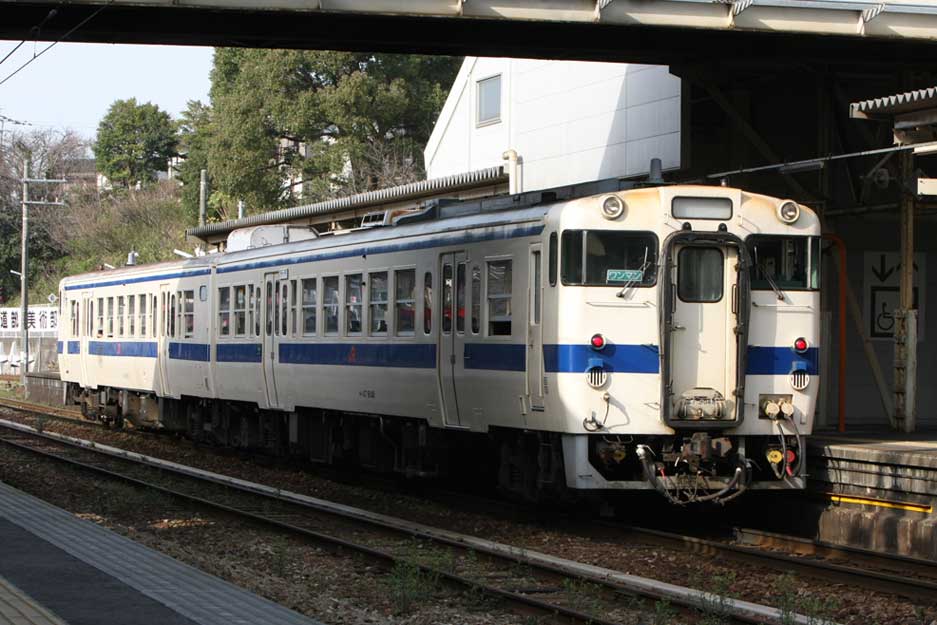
659 348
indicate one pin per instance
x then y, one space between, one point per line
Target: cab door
535 329
704 346
271 328
453 272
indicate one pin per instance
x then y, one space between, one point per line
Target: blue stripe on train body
74 347
768 360
496 356
238 352
58 347
136 349
614 358
405 355
189 351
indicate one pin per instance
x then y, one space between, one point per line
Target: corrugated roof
435 186
895 104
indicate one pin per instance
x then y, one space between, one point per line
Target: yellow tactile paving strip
16 608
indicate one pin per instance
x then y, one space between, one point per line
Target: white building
566 121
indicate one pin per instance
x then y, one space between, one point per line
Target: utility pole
24 263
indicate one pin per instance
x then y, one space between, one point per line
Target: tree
134 142
194 127
50 154
340 122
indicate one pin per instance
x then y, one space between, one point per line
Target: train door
535 329
85 335
453 275
704 347
271 328
163 336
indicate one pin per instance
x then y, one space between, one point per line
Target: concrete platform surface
63 569
18 608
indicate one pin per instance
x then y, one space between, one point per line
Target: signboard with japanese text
39 319
880 278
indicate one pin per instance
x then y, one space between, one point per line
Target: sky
73 84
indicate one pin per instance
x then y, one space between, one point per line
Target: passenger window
535 288
100 328
90 321
110 317
120 316
700 274
788 262
269 300
131 315
353 305
427 302
255 308
405 301
460 298
377 301
476 299
224 311
446 298
294 312
310 300
240 310
153 312
188 314
142 310
172 316
284 307
551 270
499 298
330 304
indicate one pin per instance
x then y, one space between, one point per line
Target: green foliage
194 126
664 613
341 122
134 142
409 585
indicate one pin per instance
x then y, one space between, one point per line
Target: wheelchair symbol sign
882 273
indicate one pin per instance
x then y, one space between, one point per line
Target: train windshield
609 258
789 263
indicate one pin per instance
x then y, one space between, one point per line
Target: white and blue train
645 338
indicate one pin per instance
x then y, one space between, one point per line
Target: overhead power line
34 30
53 44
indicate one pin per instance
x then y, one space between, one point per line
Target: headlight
613 207
788 212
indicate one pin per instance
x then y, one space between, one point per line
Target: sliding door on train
166 316
275 307
87 335
535 329
453 275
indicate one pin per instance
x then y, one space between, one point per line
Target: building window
188 314
240 310
330 304
428 302
377 301
224 311
310 299
489 100
499 298
405 301
354 308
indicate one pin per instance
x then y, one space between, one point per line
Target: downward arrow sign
883 272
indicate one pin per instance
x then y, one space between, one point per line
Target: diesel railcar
648 338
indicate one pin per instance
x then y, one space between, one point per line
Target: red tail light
597 341
800 345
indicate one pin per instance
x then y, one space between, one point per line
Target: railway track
898 575
528 580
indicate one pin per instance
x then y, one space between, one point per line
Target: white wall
568 121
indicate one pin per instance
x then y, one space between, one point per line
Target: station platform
876 490
57 569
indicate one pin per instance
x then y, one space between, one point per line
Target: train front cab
736 304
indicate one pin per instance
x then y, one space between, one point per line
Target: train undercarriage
533 465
